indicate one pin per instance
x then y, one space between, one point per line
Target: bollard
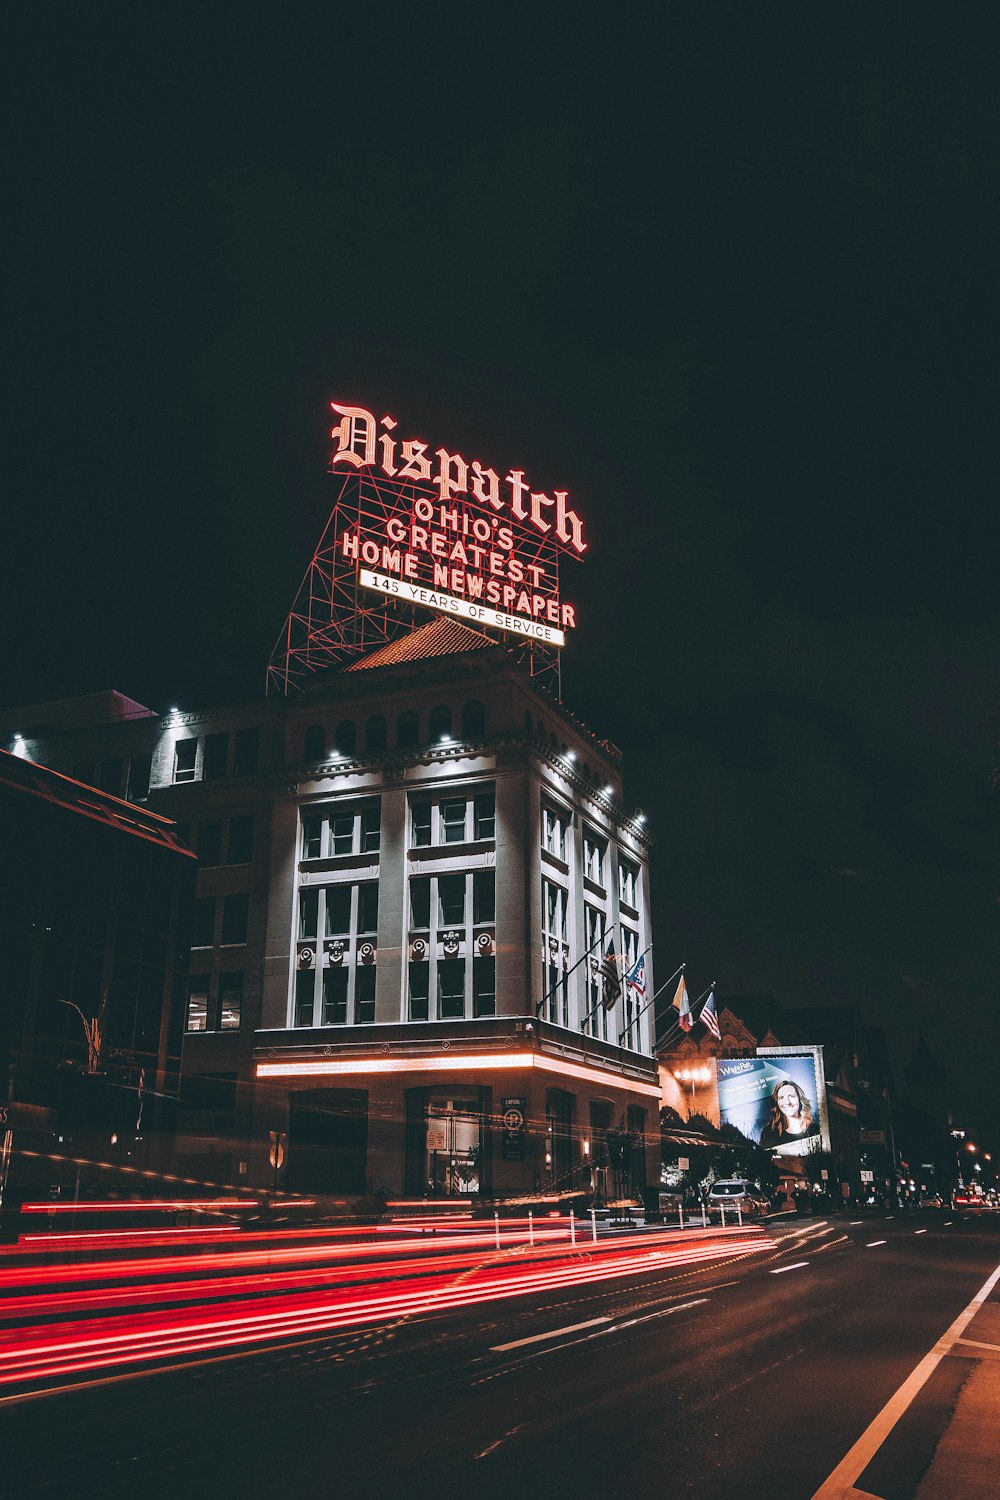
681 1213
531 1228
496 1225
704 1217
572 1227
722 1213
593 1224
739 1214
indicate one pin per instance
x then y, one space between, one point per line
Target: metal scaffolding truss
334 619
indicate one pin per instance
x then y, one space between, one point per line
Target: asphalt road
743 1379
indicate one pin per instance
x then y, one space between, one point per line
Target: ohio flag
636 976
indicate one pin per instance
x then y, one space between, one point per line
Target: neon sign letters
482 548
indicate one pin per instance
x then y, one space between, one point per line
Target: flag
709 1017
682 1005
636 976
609 973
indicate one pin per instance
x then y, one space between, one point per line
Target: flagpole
600 1002
653 998
549 993
625 984
669 1035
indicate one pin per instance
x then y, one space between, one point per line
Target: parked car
736 1192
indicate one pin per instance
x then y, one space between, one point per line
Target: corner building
397 893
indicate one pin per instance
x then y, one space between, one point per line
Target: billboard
777 1099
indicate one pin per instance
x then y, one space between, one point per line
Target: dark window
440 723
235 910
197 1007
335 997
305 990
407 729
346 737
371 829
486 815
421 817
240 840
420 902
376 733
338 910
364 995
420 979
451 989
452 822
368 907
308 913
473 721
185 754
230 1001
315 745
484 982
216 755
203 927
342 833
247 752
111 776
451 900
210 842
312 838
139 768
484 896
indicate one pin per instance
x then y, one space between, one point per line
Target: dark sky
728 274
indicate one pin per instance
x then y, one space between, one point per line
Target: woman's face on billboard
788 1101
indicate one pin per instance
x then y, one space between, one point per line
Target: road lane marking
978 1344
855 1222
796 1267
536 1338
920 1231
872 1243
839 1485
947 1222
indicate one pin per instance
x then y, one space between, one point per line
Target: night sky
726 273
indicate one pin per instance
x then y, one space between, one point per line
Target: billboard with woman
777 1099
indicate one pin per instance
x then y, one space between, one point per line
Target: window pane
451 989
240 840
421 823
335 997
486 816
308 914
484 896
230 1001
364 995
138 777
451 901
420 978
371 819
247 752
197 1009
185 752
203 931
484 980
338 910
235 910
312 838
368 907
216 755
305 989
342 833
453 822
210 842
420 902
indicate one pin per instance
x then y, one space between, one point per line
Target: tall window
596 1018
185 755
630 1026
351 828
139 767
554 929
594 854
628 884
337 932
230 1001
197 1006
554 825
451 918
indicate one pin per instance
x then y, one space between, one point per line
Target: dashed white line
855 1222
920 1231
796 1267
537 1338
872 1243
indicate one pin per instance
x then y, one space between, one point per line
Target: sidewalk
966 1462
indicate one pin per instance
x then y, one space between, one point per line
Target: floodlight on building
640 818
609 791
569 755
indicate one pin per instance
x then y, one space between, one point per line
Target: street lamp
693 1076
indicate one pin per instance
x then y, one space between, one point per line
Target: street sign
684 1164
867 1176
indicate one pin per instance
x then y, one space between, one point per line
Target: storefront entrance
446 1142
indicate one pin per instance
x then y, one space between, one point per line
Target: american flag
609 973
709 1017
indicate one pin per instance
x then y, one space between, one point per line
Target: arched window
407 729
376 733
315 746
440 723
473 720
346 738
